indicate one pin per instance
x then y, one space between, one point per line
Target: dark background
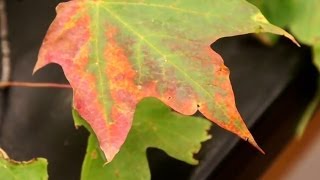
272 86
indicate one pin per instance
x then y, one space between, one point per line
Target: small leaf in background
115 53
13 170
155 125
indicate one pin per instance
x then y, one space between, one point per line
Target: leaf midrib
97 62
142 38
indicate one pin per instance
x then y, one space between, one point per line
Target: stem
5 50
34 85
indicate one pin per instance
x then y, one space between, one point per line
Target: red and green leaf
115 53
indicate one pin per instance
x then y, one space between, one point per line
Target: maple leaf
115 53
154 124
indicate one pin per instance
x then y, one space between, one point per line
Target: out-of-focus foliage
301 17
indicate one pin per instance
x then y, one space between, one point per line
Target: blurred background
300 159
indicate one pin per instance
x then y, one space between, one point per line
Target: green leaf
115 53
35 169
278 12
302 17
155 125
305 24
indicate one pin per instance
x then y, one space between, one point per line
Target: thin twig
5 49
34 85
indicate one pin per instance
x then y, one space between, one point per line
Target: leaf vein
142 38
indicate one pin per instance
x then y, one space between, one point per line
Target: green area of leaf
155 125
35 169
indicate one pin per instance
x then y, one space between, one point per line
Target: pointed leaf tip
255 144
